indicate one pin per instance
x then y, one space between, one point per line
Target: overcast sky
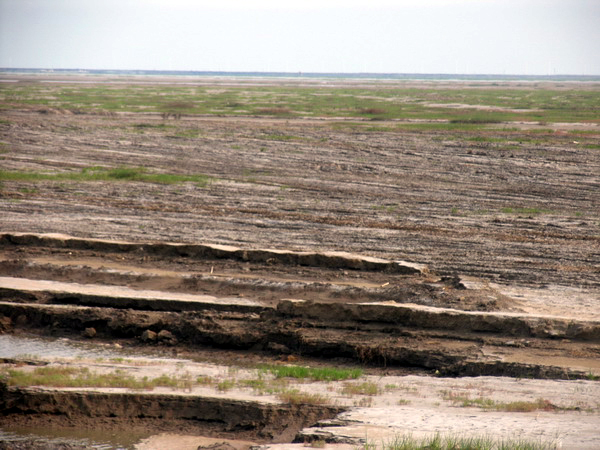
402 36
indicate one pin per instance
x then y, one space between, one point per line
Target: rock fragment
89 332
149 336
167 338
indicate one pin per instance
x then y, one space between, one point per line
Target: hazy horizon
462 37
391 75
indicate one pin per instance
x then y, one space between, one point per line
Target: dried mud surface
426 197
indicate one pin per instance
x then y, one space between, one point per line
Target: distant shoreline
310 75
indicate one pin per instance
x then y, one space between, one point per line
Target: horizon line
291 73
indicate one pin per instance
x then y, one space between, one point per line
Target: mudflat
412 229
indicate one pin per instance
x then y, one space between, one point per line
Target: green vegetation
315 374
463 106
453 442
226 385
139 174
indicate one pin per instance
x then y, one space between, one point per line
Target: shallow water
95 439
35 347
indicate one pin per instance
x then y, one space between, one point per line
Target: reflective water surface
34 347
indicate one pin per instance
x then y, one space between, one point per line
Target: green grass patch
275 111
315 374
122 174
226 385
525 103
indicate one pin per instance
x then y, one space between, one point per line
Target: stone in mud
217 446
89 332
21 320
149 336
166 337
5 324
278 349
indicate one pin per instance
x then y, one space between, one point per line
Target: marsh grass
366 388
454 442
296 397
466 401
538 105
226 385
275 111
139 174
83 377
313 373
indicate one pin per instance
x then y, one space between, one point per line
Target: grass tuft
366 388
296 397
453 442
316 374
83 377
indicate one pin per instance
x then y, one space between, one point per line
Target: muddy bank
488 348
234 273
335 260
250 420
360 310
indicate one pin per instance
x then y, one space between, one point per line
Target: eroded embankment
450 342
339 260
247 419
385 334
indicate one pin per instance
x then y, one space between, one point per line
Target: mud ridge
338 260
259 421
375 343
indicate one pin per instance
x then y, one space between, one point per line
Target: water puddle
87 438
34 347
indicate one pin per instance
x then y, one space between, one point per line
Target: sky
526 37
